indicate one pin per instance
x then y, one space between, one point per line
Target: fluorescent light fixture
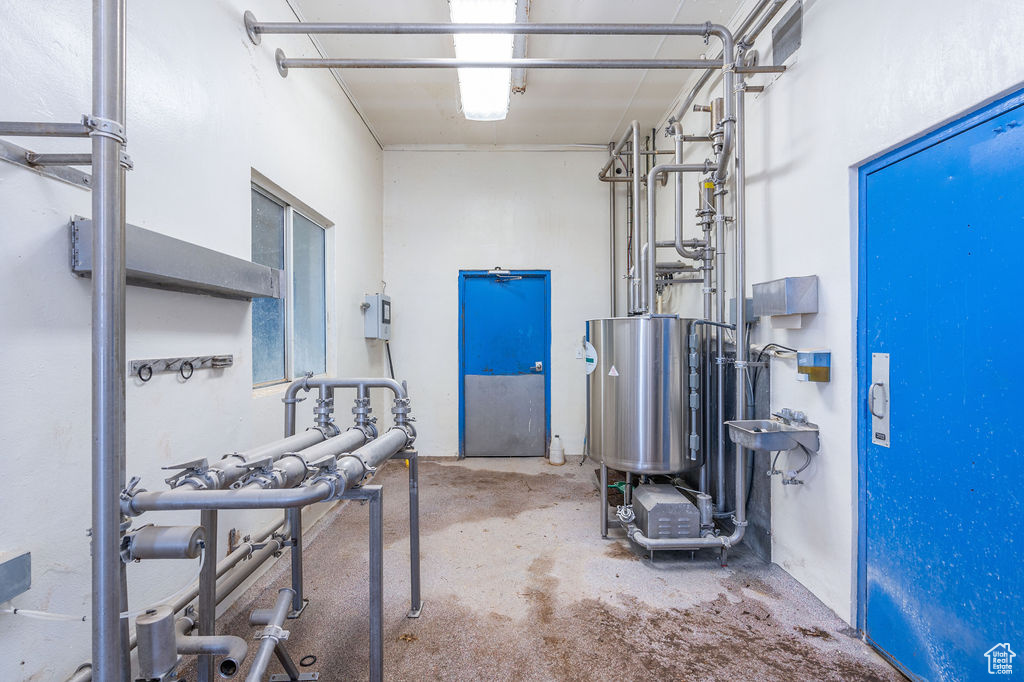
485 92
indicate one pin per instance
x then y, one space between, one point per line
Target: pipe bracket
104 127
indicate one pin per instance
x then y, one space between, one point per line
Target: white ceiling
421 106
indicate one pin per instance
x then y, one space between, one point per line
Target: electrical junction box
377 316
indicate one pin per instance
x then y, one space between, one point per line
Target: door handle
538 366
871 400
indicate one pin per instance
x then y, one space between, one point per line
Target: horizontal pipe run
32 129
335 28
248 498
710 541
58 159
255 560
285 63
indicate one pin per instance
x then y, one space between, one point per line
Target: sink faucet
791 417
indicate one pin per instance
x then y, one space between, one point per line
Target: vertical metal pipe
294 519
611 240
634 282
627 491
719 316
740 293
604 500
207 592
377 586
108 356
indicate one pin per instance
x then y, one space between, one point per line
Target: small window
289 335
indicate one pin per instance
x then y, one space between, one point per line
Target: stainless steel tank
639 417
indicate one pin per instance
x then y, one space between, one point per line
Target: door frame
545 275
974 117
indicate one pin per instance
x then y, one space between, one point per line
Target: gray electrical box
664 512
377 316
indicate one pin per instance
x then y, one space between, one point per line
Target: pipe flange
250 27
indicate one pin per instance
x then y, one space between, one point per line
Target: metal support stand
208 592
291 672
411 456
604 500
375 495
294 520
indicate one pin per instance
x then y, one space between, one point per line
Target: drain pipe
233 649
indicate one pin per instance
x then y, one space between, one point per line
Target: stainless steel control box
664 512
377 316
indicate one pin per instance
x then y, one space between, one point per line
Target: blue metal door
504 354
942 523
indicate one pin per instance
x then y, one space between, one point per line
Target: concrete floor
518 585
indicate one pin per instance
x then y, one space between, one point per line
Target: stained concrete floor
518 585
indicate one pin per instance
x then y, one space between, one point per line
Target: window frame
291 205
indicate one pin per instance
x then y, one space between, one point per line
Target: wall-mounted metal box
15 574
377 316
786 296
786 299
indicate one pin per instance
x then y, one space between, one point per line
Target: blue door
504 353
941 382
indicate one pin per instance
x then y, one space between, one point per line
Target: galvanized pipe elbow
233 649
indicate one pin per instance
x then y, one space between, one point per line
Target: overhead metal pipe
285 63
109 633
256 28
652 178
773 7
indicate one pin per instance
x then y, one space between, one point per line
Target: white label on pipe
613 372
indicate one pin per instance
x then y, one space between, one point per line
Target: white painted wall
205 107
869 76
446 211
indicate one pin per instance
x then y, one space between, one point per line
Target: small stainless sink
772 435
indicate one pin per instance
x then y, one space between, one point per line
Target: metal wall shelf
161 262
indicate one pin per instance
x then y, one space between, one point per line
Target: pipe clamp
275 632
104 127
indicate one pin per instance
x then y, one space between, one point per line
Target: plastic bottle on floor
557 452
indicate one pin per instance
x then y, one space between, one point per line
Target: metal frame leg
376 583
291 673
604 500
414 534
208 592
294 519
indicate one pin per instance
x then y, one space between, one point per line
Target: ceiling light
485 92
